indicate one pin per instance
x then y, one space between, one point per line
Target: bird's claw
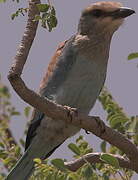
71 113
101 125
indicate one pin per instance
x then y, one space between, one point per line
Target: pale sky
122 74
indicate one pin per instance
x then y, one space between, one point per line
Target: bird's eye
97 13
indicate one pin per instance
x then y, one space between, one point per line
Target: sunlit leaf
37 18
17 150
37 160
132 56
8 160
74 148
58 163
43 7
110 160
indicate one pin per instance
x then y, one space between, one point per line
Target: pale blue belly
82 86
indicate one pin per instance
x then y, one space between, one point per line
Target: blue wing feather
65 63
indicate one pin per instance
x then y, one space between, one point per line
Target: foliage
133 56
118 119
12 0
21 11
56 169
10 150
47 16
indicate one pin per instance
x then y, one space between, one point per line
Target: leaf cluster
20 11
47 16
10 150
117 118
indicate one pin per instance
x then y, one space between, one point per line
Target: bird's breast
80 89
82 85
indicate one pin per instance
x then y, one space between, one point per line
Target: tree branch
54 110
94 158
27 40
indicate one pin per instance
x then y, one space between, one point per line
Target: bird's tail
23 169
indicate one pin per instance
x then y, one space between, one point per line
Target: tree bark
94 158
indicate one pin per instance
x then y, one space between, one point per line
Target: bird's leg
71 112
101 125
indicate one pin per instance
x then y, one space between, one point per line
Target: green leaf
87 171
72 176
109 159
53 12
105 177
59 164
2 1
8 160
132 56
80 138
49 25
3 154
44 19
15 113
27 111
37 160
13 16
17 150
103 146
43 7
4 90
74 148
37 18
61 177
117 119
53 21
2 145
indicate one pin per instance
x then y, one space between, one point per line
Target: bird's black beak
122 12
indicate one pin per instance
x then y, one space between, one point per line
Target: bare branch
27 40
94 158
56 111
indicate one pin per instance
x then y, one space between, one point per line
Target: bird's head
103 17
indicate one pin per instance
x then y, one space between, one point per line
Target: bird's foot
71 113
101 125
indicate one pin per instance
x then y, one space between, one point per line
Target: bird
75 76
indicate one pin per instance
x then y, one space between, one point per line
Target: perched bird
74 78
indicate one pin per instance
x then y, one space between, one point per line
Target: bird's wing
54 77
